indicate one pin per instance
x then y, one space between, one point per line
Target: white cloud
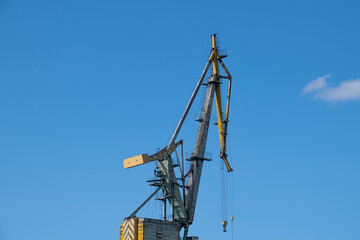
347 90
316 84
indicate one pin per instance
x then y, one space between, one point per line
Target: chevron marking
130 229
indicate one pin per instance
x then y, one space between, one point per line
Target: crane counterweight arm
145 158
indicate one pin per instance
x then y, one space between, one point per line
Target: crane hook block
224 223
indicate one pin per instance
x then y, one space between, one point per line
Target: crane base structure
149 229
180 193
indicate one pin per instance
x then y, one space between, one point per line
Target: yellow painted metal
132 229
227 112
140 229
220 119
222 133
136 161
215 57
229 90
211 56
228 100
129 229
122 231
227 164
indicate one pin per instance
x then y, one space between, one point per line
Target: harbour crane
181 193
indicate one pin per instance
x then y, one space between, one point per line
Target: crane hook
224 223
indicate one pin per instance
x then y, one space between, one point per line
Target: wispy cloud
345 91
316 84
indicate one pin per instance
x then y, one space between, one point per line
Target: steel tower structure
182 203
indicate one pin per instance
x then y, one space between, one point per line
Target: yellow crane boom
221 123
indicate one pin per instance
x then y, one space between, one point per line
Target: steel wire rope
232 191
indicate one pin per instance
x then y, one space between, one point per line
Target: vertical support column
172 205
193 181
170 191
164 206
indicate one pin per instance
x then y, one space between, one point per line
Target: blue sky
85 84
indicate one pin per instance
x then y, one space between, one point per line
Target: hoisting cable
231 195
224 165
224 194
